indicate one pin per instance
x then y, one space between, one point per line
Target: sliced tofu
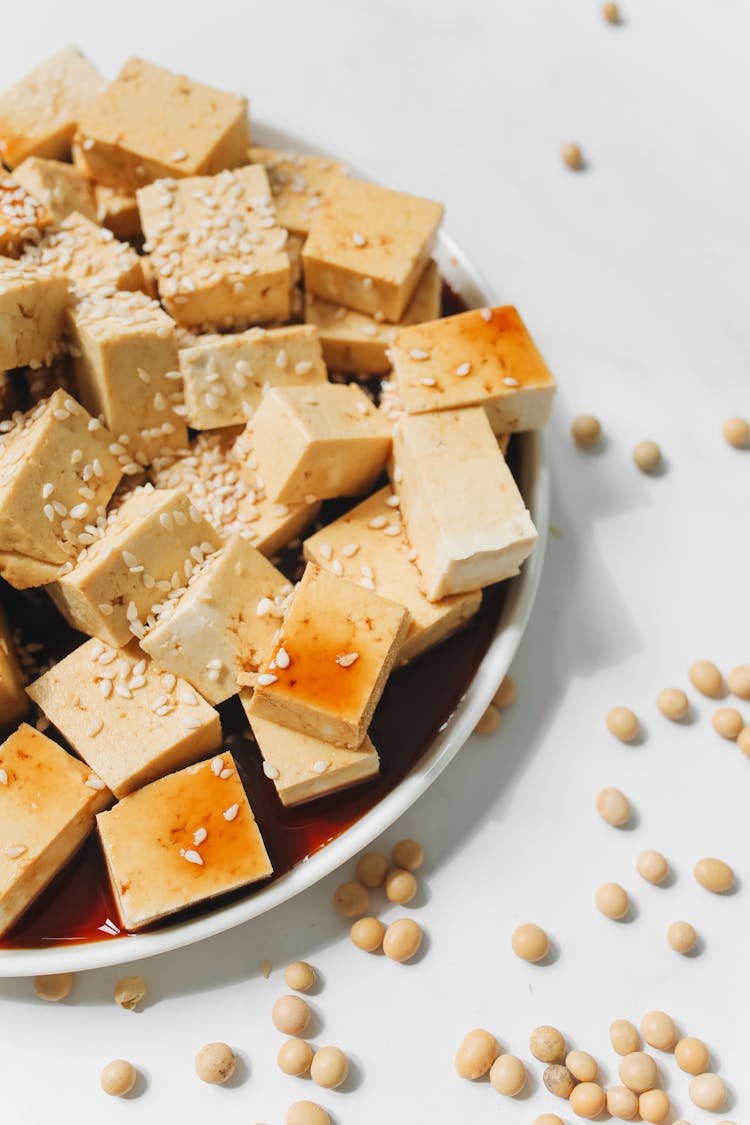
462 510
299 183
48 802
368 546
304 768
149 549
22 216
14 703
181 841
360 344
32 314
221 625
129 719
56 476
484 357
60 188
210 475
89 256
330 660
225 378
322 442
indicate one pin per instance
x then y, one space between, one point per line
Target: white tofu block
462 510
223 624
125 363
484 357
129 719
325 442
89 256
56 476
149 549
359 344
210 475
181 841
330 660
48 801
368 546
303 768
32 314
13 700
226 377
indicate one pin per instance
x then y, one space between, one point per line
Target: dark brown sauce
417 702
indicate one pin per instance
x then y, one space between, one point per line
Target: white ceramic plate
465 280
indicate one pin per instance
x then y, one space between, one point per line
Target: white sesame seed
510 381
132 612
349 550
192 856
13 851
200 836
95 783
225 774
166 521
358 239
3 777
346 659
463 369
486 314
266 679
282 658
326 551
217 765
427 381
303 367
191 723
231 812
270 771
377 522
105 687
96 726
265 606
418 353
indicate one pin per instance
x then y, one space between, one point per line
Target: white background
631 277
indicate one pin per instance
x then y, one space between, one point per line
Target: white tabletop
631 277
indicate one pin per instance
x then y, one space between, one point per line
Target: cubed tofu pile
202 343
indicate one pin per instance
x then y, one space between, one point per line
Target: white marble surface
632 277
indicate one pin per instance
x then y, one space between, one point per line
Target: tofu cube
484 357
14 702
210 475
368 546
48 804
22 217
32 314
56 477
59 188
125 364
129 719
150 123
148 551
182 841
118 211
462 510
330 660
369 246
299 183
325 442
217 249
357 343
38 116
88 255
221 625
302 767
225 378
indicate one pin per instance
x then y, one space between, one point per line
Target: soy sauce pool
78 906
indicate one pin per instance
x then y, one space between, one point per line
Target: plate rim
467 280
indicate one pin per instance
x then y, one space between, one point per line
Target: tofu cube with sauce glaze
360 344
129 719
59 188
89 256
56 476
48 803
38 116
125 365
322 442
149 123
148 551
299 183
217 249
462 510
22 216
302 767
183 840
330 659
484 357
368 246
367 545
224 623
225 378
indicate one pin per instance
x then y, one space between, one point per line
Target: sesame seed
95 783
231 812
326 551
13 851
192 856
265 606
463 369
166 521
178 156
225 774
105 687
377 522
418 353
427 381
486 314
282 658
358 239
190 723
349 550
303 367
132 612
200 836
96 726
3 777
217 765
266 679
510 381
345 660
270 771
